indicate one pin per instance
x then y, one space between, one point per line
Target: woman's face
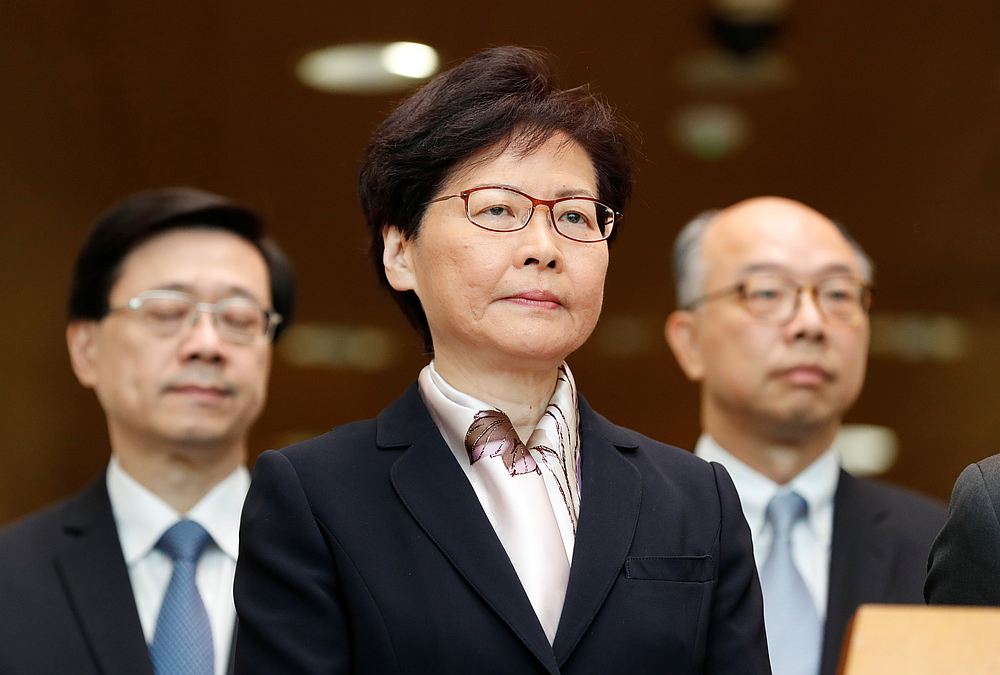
512 300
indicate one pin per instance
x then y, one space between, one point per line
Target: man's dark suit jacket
881 536
964 565
66 602
366 551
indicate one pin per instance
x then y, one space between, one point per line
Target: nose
201 340
808 322
539 241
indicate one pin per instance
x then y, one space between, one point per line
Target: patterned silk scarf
552 450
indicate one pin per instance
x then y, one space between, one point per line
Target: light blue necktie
794 631
182 642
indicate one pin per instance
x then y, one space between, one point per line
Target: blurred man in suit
175 299
774 327
964 566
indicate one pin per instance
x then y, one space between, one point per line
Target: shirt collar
817 484
142 517
453 411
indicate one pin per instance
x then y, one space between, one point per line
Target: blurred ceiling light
338 346
718 72
751 10
743 58
367 68
745 28
919 337
866 449
710 132
410 59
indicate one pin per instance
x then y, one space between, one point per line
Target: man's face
793 378
193 388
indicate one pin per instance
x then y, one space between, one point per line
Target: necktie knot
784 510
184 541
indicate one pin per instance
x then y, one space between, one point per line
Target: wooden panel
913 640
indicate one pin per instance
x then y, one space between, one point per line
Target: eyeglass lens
238 319
504 210
776 298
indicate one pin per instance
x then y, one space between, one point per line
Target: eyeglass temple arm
721 293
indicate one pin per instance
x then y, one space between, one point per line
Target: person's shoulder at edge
331 452
24 540
990 470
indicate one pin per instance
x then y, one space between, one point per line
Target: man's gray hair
689 268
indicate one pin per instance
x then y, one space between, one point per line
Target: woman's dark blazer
365 550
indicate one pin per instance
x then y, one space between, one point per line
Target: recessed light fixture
866 449
338 346
710 131
367 68
920 337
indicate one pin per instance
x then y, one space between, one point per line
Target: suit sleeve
287 598
964 565
736 639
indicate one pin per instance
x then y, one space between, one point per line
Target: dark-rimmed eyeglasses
504 209
237 319
775 298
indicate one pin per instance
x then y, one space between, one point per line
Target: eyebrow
826 270
565 192
575 193
227 291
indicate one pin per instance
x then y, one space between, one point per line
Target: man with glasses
176 298
774 327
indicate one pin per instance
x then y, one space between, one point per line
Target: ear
397 258
81 340
681 333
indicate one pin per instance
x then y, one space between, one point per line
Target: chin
551 343
202 434
528 354
805 420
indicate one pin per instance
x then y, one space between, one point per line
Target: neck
779 454
522 393
179 475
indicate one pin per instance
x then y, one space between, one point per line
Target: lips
206 387
198 389
199 379
805 375
200 392
536 298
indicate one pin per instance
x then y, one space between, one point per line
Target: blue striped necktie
182 642
794 631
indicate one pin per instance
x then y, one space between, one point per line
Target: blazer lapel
609 511
97 583
859 566
439 497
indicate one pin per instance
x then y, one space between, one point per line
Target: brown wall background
888 120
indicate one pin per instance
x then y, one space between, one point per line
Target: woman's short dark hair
499 96
140 217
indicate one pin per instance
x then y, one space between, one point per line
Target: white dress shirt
811 537
142 518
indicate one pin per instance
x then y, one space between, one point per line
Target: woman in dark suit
489 521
